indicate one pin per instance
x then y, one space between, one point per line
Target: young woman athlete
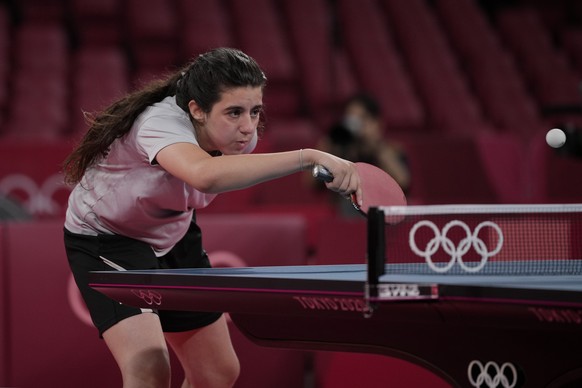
145 164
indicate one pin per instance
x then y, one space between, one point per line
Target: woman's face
361 122
231 126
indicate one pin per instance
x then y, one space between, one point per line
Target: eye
256 112
235 112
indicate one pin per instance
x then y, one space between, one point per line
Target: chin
232 151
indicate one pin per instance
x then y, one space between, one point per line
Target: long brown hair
203 80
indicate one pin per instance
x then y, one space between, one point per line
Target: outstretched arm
208 174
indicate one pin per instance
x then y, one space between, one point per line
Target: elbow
206 185
213 183
203 181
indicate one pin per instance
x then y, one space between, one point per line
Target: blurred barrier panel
554 175
341 241
30 174
449 169
257 240
503 158
3 313
261 239
49 340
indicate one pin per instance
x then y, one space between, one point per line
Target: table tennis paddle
378 187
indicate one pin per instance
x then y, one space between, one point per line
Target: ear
195 111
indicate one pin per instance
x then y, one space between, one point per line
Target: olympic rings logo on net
456 252
492 375
148 296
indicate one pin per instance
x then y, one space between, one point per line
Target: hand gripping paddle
378 188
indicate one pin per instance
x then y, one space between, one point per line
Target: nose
247 124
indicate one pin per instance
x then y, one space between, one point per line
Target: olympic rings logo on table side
148 296
456 252
504 376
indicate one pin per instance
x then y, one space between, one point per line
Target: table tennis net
485 239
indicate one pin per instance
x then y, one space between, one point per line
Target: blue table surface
548 275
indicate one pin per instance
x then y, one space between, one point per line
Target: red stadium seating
468 28
305 55
449 169
205 24
572 42
553 80
312 41
100 76
345 83
496 80
97 22
259 32
152 31
378 65
259 19
452 107
40 80
5 47
41 47
504 98
49 96
40 11
105 64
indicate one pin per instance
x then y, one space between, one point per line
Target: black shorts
86 253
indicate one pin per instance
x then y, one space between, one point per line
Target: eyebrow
238 107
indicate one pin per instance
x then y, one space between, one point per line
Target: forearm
232 172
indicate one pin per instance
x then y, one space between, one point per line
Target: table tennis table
483 330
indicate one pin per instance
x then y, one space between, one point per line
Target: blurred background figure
359 136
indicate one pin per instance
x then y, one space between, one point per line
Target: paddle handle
321 173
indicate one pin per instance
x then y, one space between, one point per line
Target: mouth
242 144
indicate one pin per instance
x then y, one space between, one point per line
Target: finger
356 191
358 196
346 187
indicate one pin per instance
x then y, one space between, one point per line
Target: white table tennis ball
555 138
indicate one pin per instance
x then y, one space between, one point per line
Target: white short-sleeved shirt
127 193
